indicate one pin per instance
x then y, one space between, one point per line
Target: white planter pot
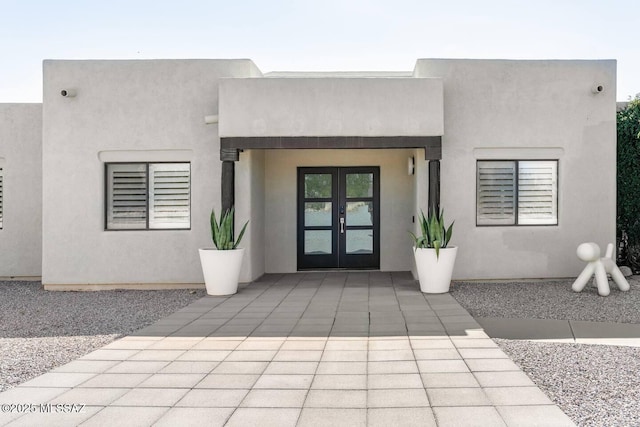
221 270
434 274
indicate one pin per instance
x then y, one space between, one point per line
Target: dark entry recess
339 217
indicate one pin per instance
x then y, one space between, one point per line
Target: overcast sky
310 35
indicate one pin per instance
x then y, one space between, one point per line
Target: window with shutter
517 192
1 196
148 196
537 192
496 193
169 195
126 196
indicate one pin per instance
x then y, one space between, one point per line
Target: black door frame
338 259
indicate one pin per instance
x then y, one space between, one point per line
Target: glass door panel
359 200
317 242
317 213
359 185
359 242
318 185
360 213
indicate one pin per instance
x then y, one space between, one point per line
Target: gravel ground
596 385
40 330
549 300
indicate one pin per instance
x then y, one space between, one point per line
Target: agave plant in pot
221 265
434 258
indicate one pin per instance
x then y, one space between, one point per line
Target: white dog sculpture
590 252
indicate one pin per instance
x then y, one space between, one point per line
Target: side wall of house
249 204
21 190
127 111
522 110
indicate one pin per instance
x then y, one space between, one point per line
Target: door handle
342 225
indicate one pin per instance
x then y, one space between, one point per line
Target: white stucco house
111 180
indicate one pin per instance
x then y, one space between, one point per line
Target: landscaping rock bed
549 299
40 330
596 385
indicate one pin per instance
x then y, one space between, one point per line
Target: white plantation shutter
1 196
537 192
169 195
496 189
126 196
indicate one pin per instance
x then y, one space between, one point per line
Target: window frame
148 196
516 192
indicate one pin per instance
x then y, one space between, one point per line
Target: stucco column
434 186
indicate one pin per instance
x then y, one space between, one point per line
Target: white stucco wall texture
331 106
250 206
521 110
21 164
142 111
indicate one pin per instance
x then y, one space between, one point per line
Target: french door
338 217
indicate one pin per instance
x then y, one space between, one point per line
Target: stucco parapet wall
20 104
347 74
99 73
248 64
330 107
421 69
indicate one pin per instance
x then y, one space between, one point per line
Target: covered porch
270 128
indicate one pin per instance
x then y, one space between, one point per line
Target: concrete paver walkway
306 349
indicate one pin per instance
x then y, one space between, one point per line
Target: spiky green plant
222 232
434 233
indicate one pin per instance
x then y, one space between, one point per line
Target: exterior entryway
338 217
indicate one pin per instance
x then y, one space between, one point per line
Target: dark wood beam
228 185
431 144
434 186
